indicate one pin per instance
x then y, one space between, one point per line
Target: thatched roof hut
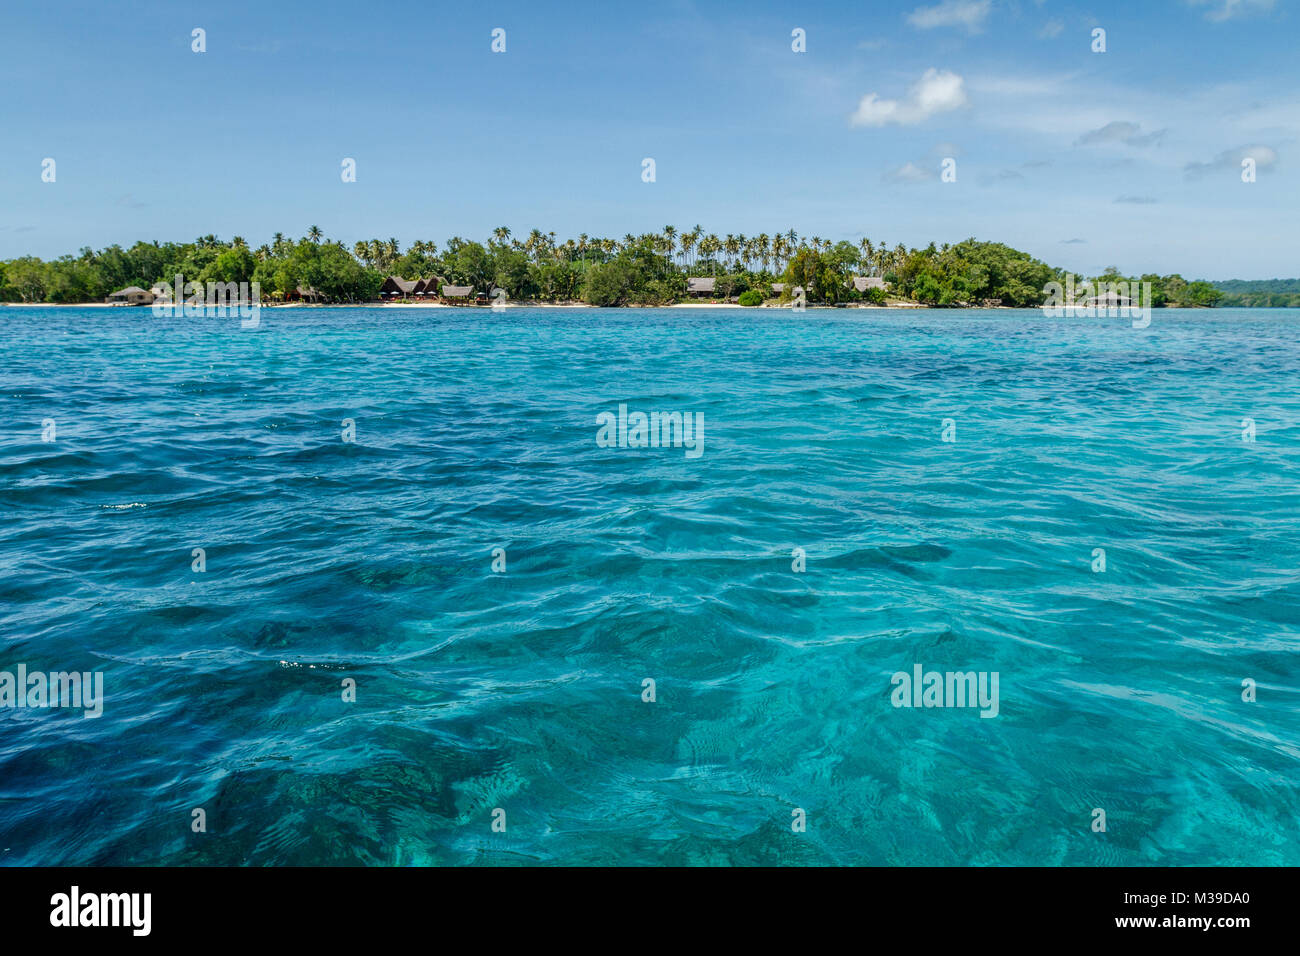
863 283
1110 299
700 286
397 286
132 295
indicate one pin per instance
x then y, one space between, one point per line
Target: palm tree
238 243
670 239
533 245
695 238
277 242
314 234
362 251
392 249
867 251
688 245
710 245
502 233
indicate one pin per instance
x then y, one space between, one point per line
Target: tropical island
653 269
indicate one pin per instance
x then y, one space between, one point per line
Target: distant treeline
650 269
1260 293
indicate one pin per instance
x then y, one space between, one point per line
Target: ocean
423 587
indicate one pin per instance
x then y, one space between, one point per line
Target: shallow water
476 430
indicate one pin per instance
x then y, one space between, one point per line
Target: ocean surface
516 696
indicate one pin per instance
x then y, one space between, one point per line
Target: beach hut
458 293
778 288
131 295
863 283
428 287
395 287
308 294
697 286
1110 299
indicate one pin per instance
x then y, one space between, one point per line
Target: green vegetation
1260 293
650 269
972 272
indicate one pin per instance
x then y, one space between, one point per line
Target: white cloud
1221 10
910 173
1119 131
1230 159
1052 28
938 91
970 14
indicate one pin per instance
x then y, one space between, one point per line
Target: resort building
398 288
701 286
1110 299
131 295
458 293
778 288
863 283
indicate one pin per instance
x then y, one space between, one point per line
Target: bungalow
1110 299
427 287
131 295
778 288
700 286
459 292
397 287
863 283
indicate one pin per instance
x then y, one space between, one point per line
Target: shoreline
524 305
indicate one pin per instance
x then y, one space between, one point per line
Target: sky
1129 157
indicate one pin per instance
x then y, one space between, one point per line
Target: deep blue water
475 430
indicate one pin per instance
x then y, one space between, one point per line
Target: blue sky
1129 157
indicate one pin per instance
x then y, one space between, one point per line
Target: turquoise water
372 560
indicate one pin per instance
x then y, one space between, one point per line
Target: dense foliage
1260 293
650 269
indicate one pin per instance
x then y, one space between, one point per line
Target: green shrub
752 297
